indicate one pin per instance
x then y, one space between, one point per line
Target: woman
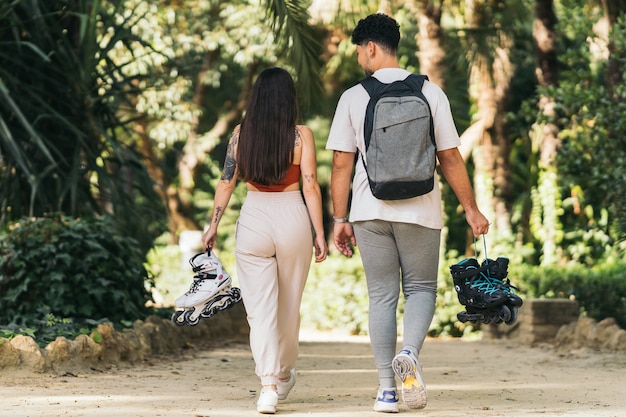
274 241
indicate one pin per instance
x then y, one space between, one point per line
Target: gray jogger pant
398 255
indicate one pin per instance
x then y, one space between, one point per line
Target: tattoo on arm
309 177
230 163
297 143
218 214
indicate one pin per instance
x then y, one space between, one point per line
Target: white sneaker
386 401
407 368
284 387
267 402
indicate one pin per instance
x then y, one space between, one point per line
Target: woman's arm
311 191
224 190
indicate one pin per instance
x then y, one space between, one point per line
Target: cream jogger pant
274 247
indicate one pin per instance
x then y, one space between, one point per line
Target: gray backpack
399 139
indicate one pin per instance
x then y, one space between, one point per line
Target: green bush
49 327
335 296
77 269
600 289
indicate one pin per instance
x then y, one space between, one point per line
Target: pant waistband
276 199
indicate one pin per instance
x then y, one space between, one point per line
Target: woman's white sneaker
267 402
284 387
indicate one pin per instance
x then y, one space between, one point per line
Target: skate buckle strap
470 271
203 263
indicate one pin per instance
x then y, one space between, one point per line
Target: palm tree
73 139
62 137
430 39
545 131
489 44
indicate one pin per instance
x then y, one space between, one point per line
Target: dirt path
335 378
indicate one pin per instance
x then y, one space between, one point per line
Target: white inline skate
210 292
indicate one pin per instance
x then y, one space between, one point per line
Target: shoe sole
389 406
386 409
413 389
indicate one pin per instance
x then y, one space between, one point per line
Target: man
398 238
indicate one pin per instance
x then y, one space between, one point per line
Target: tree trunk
613 9
195 153
429 39
615 78
490 76
547 197
431 55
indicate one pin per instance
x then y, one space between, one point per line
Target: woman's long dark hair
267 133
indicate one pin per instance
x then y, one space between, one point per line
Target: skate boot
497 272
211 291
483 300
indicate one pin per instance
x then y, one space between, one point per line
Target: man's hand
478 222
344 238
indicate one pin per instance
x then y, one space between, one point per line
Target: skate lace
484 284
197 280
496 283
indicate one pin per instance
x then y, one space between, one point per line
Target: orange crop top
292 177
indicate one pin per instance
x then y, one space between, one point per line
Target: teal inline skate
485 291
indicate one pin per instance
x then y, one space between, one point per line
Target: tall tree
547 195
489 48
430 39
63 113
209 60
615 17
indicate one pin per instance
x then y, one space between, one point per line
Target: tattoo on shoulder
297 137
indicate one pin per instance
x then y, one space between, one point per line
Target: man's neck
387 61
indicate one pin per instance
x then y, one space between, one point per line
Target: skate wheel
236 294
210 311
505 313
188 320
513 317
176 319
462 317
495 318
215 305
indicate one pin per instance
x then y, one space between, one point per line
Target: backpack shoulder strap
416 80
371 85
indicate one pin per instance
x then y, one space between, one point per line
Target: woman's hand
321 248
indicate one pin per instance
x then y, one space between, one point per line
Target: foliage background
121 110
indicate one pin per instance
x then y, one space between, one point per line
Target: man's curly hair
378 28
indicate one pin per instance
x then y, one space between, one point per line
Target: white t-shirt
346 135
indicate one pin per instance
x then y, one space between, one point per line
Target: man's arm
455 172
343 163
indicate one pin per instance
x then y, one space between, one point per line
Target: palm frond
300 43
